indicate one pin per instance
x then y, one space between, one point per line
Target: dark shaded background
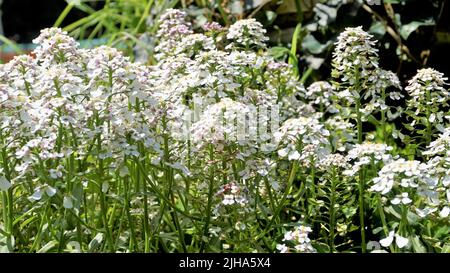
23 19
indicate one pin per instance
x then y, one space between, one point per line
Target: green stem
383 219
7 202
332 210
280 205
383 117
133 240
359 120
38 238
101 180
361 171
428 135
5 210
361 210
210 197
168 173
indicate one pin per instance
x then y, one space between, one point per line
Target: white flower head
247 33
400 241
354 48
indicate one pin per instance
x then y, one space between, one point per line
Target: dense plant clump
218 148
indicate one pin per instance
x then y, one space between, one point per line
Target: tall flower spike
427 99
354 51
427 80
55 45
172 24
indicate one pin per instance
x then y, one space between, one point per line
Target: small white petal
4 184
124 171
432 118
105 187
401 241
444 212
294 155
67 202
37 195
50 191
406 200
388 240
379 251
282 248
283 152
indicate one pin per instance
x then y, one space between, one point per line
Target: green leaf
349 211
442 231
417 245
446 248
321 247
271 16
406 30
312 45
392 211
378 28
293 56
6 243
279 52
412 218
48 246
377 230
96 242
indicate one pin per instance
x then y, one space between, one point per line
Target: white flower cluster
427 97
222 123
378 92
337 161
296 133
172 23
321 95
212 26
366 154
438 197
413 180
91 116
174 27
55 46
354 53
299 240
382 79
400 174
440 146
427 88
247 33
232 194
88 93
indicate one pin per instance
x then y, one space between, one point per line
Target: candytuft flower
247 33
298 241
354 53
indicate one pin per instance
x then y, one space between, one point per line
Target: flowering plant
217 147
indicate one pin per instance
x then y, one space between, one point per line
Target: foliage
218 147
